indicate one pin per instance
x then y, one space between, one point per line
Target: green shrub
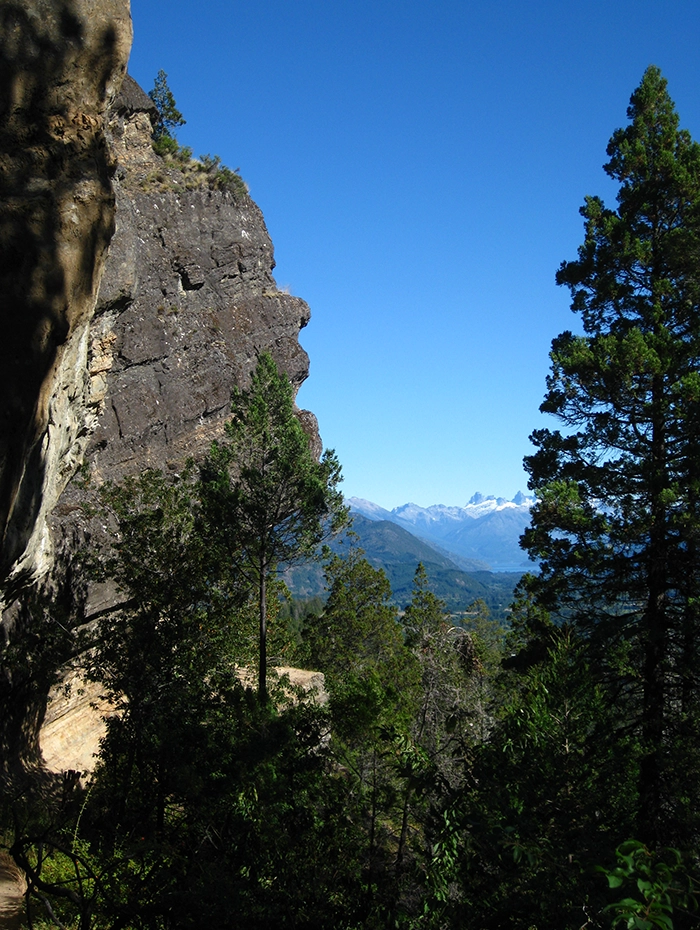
205 172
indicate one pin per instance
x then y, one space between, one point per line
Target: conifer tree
617 522
266 499
169 117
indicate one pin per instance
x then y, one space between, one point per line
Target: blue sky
420 166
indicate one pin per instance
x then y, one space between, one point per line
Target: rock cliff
186 302
61 62
136 294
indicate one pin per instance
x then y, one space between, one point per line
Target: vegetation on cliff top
205 171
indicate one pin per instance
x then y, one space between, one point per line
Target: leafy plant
661 886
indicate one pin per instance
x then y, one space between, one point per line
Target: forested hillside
449 774
398 553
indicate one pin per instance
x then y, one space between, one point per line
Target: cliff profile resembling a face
61 62
187 303
135 293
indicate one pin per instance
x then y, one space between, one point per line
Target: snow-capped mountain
486 528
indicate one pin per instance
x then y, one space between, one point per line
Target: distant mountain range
468 552
482 535
397 552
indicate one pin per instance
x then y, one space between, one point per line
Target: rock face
186 302
61 62
73 726
136 294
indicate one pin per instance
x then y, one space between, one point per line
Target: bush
207 170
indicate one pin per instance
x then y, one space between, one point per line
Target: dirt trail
11 896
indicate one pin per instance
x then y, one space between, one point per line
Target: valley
469 553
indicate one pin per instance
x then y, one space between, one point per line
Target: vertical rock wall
61 62
134 368
186 304
134 295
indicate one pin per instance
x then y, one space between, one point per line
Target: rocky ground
11 895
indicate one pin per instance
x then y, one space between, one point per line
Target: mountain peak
486 529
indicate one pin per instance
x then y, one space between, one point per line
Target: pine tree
266 499
169 117
618 514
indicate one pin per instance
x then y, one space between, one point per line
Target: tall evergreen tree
617 522
266 499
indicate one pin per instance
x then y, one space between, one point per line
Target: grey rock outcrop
186 302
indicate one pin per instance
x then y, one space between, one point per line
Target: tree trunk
262 667
654 640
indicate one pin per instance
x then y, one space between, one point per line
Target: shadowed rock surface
60 65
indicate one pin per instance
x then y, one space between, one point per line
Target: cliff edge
143 378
